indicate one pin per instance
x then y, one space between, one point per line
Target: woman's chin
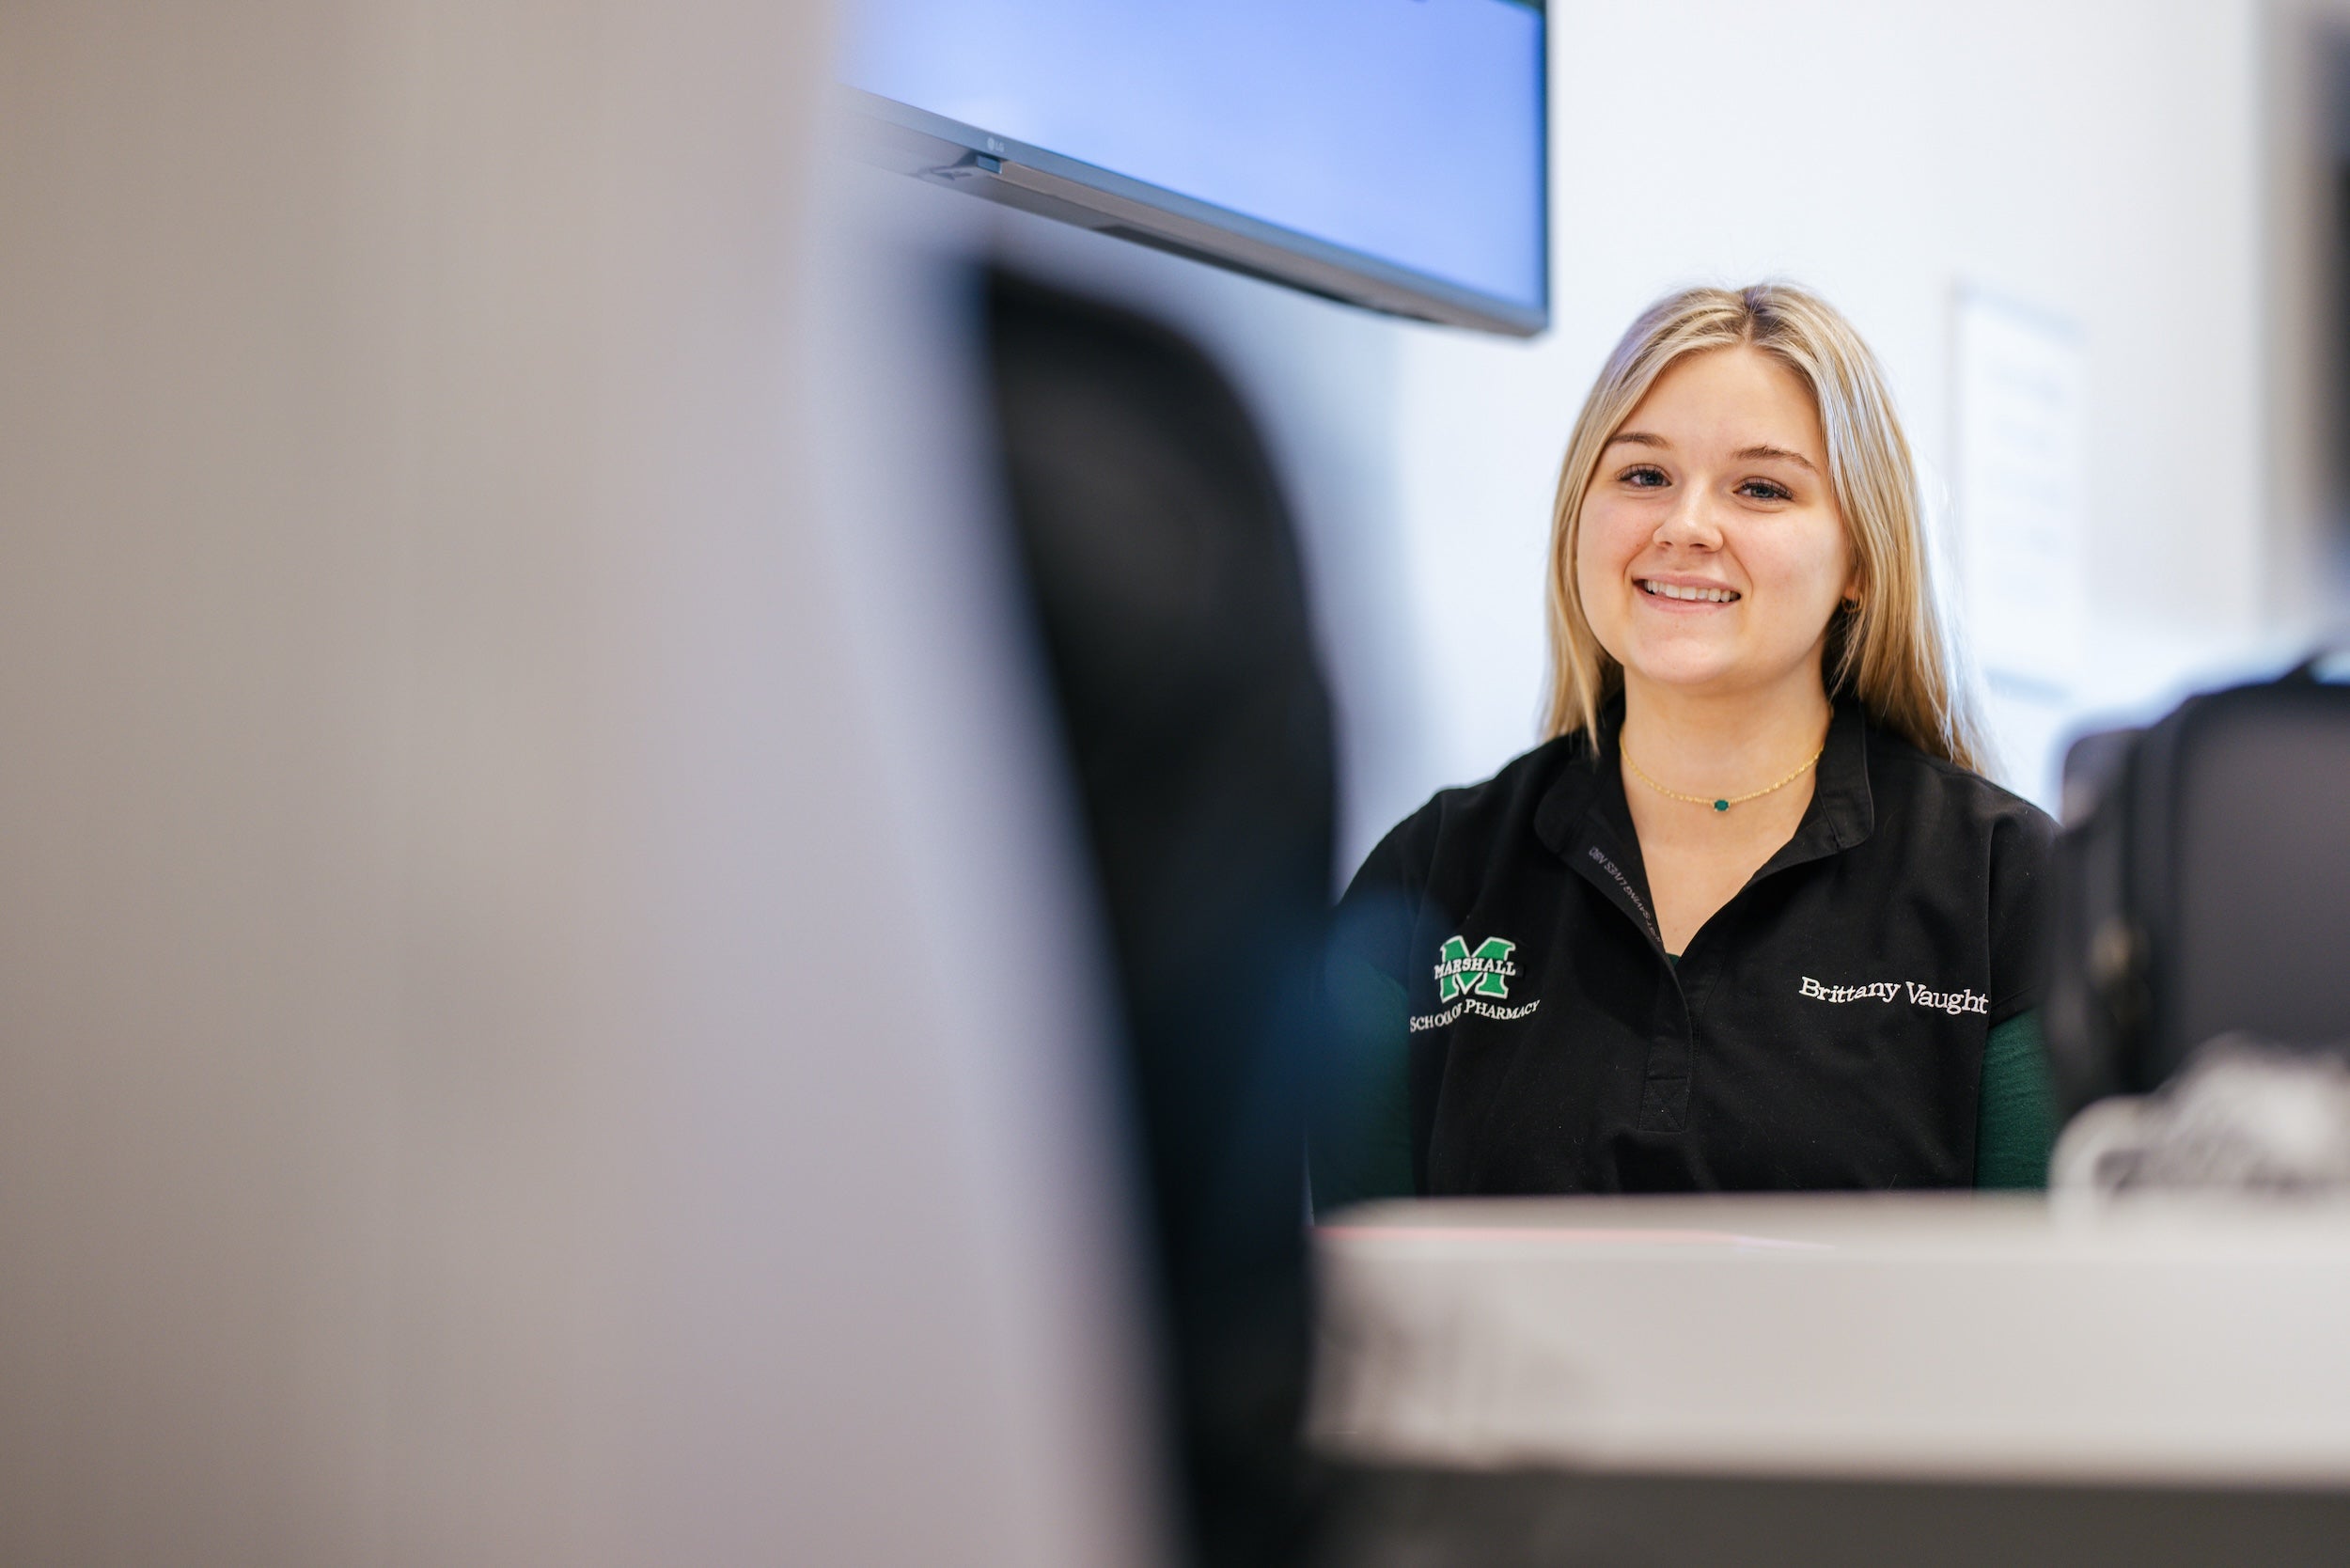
1687 669
1686 675
1717 686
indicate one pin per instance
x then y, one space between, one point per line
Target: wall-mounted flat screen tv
1386 152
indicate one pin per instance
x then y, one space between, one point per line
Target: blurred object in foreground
1167 588
2242 1117
496 1068
2202 885
1832 1381
2304 101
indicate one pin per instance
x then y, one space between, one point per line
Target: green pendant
1721 805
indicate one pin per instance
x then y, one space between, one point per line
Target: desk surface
1944 1336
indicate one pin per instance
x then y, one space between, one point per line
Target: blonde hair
1891 652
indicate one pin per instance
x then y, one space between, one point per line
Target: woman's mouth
1688 593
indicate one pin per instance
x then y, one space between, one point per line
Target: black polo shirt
1825 1028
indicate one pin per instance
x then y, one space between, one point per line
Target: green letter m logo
1482 973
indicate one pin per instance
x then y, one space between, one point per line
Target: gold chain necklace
1726 803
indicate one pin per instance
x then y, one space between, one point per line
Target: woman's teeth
1675 591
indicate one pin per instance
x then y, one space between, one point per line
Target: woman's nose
1690 523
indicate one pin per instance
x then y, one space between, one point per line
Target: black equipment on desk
2202 885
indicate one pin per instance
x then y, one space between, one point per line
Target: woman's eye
1766 490
1644 478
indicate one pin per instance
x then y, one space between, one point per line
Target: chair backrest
1170 604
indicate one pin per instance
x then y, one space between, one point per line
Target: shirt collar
1586 801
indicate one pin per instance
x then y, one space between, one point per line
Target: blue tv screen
1391 152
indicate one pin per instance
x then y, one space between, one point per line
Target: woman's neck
1722 743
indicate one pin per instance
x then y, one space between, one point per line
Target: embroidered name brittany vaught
1892 991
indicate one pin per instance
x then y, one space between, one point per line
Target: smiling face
1711 553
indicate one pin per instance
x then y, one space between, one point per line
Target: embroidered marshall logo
1483 973
1465 979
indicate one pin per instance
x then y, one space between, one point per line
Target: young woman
1751 918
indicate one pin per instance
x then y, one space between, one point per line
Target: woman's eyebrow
1641 438
1779 452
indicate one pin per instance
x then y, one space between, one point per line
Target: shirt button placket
1665 1086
